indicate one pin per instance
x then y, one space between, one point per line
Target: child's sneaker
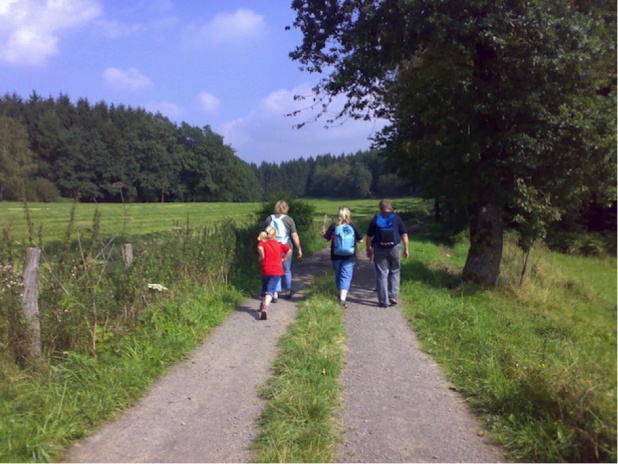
263 315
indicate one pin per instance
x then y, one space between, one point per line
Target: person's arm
403 232
406 246
371 230
296 241
369 238
287 255
327 234
358 235
260 253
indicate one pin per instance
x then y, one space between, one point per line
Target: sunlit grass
537 361
133 219
302 397
41 414
130 219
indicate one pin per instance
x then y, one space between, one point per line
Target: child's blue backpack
343 243
279 225
386 235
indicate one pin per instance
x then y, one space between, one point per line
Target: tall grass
42 414
107 331
537 360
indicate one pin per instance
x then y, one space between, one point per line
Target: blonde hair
281 207
344 216
267 234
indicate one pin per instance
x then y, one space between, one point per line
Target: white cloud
266 134
226 28
208 102
130 79
29 30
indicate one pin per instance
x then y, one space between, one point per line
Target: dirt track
397 404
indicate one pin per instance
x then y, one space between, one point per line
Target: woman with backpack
288 235
343 235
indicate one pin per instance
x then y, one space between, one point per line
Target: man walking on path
384 236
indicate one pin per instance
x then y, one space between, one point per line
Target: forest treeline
54 147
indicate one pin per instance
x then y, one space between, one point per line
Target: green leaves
508 102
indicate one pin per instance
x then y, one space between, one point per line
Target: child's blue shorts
269 285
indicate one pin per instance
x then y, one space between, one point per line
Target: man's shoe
382 305
393 301
289 295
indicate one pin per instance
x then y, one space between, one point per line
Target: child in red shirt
271 255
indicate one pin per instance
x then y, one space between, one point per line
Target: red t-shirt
272 265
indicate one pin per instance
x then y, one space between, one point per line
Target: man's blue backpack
343 243
386 235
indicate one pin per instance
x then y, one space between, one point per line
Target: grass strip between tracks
303 396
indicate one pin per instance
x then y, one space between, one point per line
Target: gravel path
397 404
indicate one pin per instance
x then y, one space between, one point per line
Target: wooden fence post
30 301
127 255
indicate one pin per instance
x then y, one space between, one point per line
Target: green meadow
129 219
133 219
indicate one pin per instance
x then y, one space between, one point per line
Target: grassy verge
41 414
537 361
298 423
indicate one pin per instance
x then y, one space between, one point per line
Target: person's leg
394 275
281 282
347 272
271 287
286 279
337 266
381 266
263 292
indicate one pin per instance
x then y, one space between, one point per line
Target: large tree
504 107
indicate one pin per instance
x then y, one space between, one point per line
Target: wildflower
157 287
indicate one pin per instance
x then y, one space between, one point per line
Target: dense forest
53 147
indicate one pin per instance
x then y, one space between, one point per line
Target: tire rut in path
397 404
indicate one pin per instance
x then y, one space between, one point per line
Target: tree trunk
486 237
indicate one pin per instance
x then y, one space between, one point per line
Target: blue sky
222 63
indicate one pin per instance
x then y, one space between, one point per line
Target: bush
41 189
583 242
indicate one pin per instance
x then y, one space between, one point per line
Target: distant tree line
359 175
53 147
